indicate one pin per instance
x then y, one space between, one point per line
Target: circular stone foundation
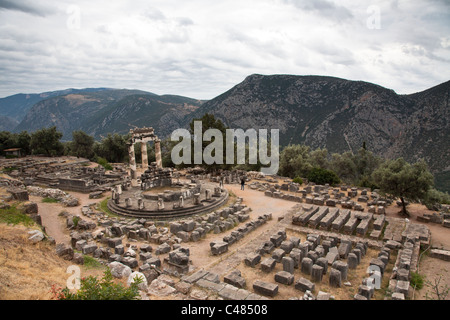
164 203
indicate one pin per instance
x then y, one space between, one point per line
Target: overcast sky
201 48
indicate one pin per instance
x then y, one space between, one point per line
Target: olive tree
294 161
82 145
403 180
46 141
113 148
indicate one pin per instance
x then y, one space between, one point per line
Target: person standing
242 183
221 182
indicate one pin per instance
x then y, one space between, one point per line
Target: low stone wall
65 198
440 254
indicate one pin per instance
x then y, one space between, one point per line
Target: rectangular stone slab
315 219
339 222
351 224
265 288
326 222
303 217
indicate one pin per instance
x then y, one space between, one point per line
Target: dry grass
28 271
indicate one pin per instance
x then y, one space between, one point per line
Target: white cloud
201 48
26 6
324 8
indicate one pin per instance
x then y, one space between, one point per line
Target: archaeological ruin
69 174
172 199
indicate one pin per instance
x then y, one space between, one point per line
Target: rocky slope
7 123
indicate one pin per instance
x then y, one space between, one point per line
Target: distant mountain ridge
16 106
319 111
101 112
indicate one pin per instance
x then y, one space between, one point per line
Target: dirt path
432 269
55 226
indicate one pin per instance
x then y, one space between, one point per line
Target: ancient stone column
196 199
158 153
133 172
160 204
181 202
113 194
141 205
144 155
128 202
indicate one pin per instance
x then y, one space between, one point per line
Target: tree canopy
113 148
82 145
46 141
10 140
294 161
323 176
209 122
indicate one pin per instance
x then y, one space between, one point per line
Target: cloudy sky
201 48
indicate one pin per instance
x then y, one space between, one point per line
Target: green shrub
9 169
75 221
367 182
434 197
91 262
417 280
323 176
104 163
50 200
298 180
105 289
